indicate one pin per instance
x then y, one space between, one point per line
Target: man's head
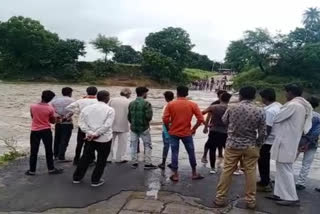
182 91
220 92
168 95
292 91
247 93
225 97
126 92
67 91
314 102
92 91
47 96
268 96
103 96
142 92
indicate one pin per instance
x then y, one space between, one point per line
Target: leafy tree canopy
126 54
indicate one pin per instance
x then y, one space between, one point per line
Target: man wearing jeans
246 133
308 146
179 114
96 122
139 116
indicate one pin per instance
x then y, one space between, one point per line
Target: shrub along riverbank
101 73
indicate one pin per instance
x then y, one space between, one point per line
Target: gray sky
212 24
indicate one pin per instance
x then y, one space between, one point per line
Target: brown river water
15 100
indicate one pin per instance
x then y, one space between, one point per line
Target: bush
103 69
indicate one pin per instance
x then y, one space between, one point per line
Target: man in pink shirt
42 115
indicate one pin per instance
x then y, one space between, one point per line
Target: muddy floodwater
15 100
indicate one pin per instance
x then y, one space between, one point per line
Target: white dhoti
121 148
285 186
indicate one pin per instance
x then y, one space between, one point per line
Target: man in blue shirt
308 145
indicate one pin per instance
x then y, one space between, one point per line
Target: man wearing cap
120 125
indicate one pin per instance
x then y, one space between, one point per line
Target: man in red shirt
179 114
42 115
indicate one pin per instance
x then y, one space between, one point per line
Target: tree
106 44
126 54
26 47
260 43
161 67
171 42
166 53
311 17
199 61
238 55
25 43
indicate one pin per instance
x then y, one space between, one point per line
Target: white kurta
294 118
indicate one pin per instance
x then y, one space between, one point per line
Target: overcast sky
212 24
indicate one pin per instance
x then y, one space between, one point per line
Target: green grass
196 74
10 156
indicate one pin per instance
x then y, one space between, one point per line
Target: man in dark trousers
96 122
42 115
64 125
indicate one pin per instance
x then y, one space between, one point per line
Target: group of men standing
250 134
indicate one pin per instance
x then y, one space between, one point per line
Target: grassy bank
196 74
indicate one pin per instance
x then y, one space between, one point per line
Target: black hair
140 91
182 91
92 90
268 94
47 96
294 89
220 92
225 97
248 93
313 101
66 91
103 95
168 95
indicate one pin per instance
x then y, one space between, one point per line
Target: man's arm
149 112
107 124
285 113
199 116
262 130
166 117
72 108
129 113
225 117
83 123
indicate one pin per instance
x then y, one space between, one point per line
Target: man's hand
193 131
205 130
91 137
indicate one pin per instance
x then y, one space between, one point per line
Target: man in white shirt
293 120
120 125
272 108
77 107
96 122
64 125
